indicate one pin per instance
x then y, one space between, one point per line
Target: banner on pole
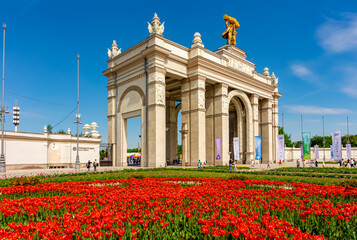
331 151
236 148
317 156
281 147
258 147
336 145
301 152
218 145
306 144
348 151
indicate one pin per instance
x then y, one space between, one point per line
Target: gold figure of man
230 34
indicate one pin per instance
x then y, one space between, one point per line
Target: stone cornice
156 69
230 73
130 79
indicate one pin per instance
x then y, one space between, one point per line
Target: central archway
244 117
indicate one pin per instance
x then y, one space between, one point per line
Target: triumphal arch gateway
219 93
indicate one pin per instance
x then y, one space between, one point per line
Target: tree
61 132
287 138
179 149
49 128
103 153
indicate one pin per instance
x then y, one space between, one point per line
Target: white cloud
345 124
304 109
338 36
300 70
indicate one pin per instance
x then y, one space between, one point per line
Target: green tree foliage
133 150
319 140
61 131
287 138
103 153
179 149
49 128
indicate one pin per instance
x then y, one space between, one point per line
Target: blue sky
310 45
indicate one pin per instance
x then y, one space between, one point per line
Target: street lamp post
2 156
77 166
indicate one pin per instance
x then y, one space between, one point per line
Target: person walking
268 165
88 165
230 164
204 165
298 163
252 163
199 163
316 164
95 165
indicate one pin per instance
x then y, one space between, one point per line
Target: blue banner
258 147
331 151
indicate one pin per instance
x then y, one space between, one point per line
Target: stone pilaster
198 119
185 120
267 131
275 107
221 122
254 100
111 122
156 117
171 130
210 126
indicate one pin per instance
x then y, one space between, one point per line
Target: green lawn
213 172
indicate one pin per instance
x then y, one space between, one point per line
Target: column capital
197 77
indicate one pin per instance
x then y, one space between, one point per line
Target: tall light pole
78 166
2 156
323 136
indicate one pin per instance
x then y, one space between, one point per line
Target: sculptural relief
225 105
256 112
201 100
160 94
238 65
225 91
156 77
201 84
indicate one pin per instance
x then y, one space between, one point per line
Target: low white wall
295 153
31 150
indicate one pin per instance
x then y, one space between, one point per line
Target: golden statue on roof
230 34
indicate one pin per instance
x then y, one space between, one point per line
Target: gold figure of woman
230 34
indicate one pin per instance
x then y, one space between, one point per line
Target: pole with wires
78 166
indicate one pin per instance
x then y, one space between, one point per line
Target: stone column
267 130
171 130
221 122
197 129
156 117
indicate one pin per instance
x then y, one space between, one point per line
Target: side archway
130 89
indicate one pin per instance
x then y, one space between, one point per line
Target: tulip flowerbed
173 208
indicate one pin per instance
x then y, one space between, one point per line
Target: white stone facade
33 150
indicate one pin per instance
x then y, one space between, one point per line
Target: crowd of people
348 163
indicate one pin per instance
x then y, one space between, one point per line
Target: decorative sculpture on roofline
156 27
230 34
115 51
